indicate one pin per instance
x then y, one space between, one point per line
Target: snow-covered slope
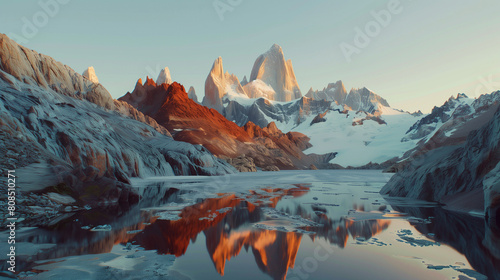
361 99
272 69
357 137
262 111
449 124
454 107
360 126
258 88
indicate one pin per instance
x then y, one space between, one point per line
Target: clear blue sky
427 52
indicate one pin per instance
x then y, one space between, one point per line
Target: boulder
243 163
271 168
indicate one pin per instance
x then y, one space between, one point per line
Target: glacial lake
322 224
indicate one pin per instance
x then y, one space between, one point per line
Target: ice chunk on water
102 228
169 215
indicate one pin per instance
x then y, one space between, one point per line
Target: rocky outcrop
262 111
188 121
491 187
244 81
273 70
447 171
369 117
192 94
366 100
271 168
333 92
164 77
286 148
89 73
454 107
319 118
127 110
35 69
219 84
242 163
449 124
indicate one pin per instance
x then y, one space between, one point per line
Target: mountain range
188 121
59 127
62 128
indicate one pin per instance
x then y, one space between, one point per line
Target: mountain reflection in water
228 232
269 223
469 235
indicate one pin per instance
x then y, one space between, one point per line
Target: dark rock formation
446 171
242 163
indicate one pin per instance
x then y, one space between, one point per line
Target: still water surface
287 225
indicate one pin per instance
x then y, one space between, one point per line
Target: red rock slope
191 122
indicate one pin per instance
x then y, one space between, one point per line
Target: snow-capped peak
164 77
272 68
219 84
89 73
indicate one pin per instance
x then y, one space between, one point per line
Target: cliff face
58 127
333 92
33 68
272 69
364 99
218 85
458 172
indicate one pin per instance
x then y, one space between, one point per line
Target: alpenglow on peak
272 68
